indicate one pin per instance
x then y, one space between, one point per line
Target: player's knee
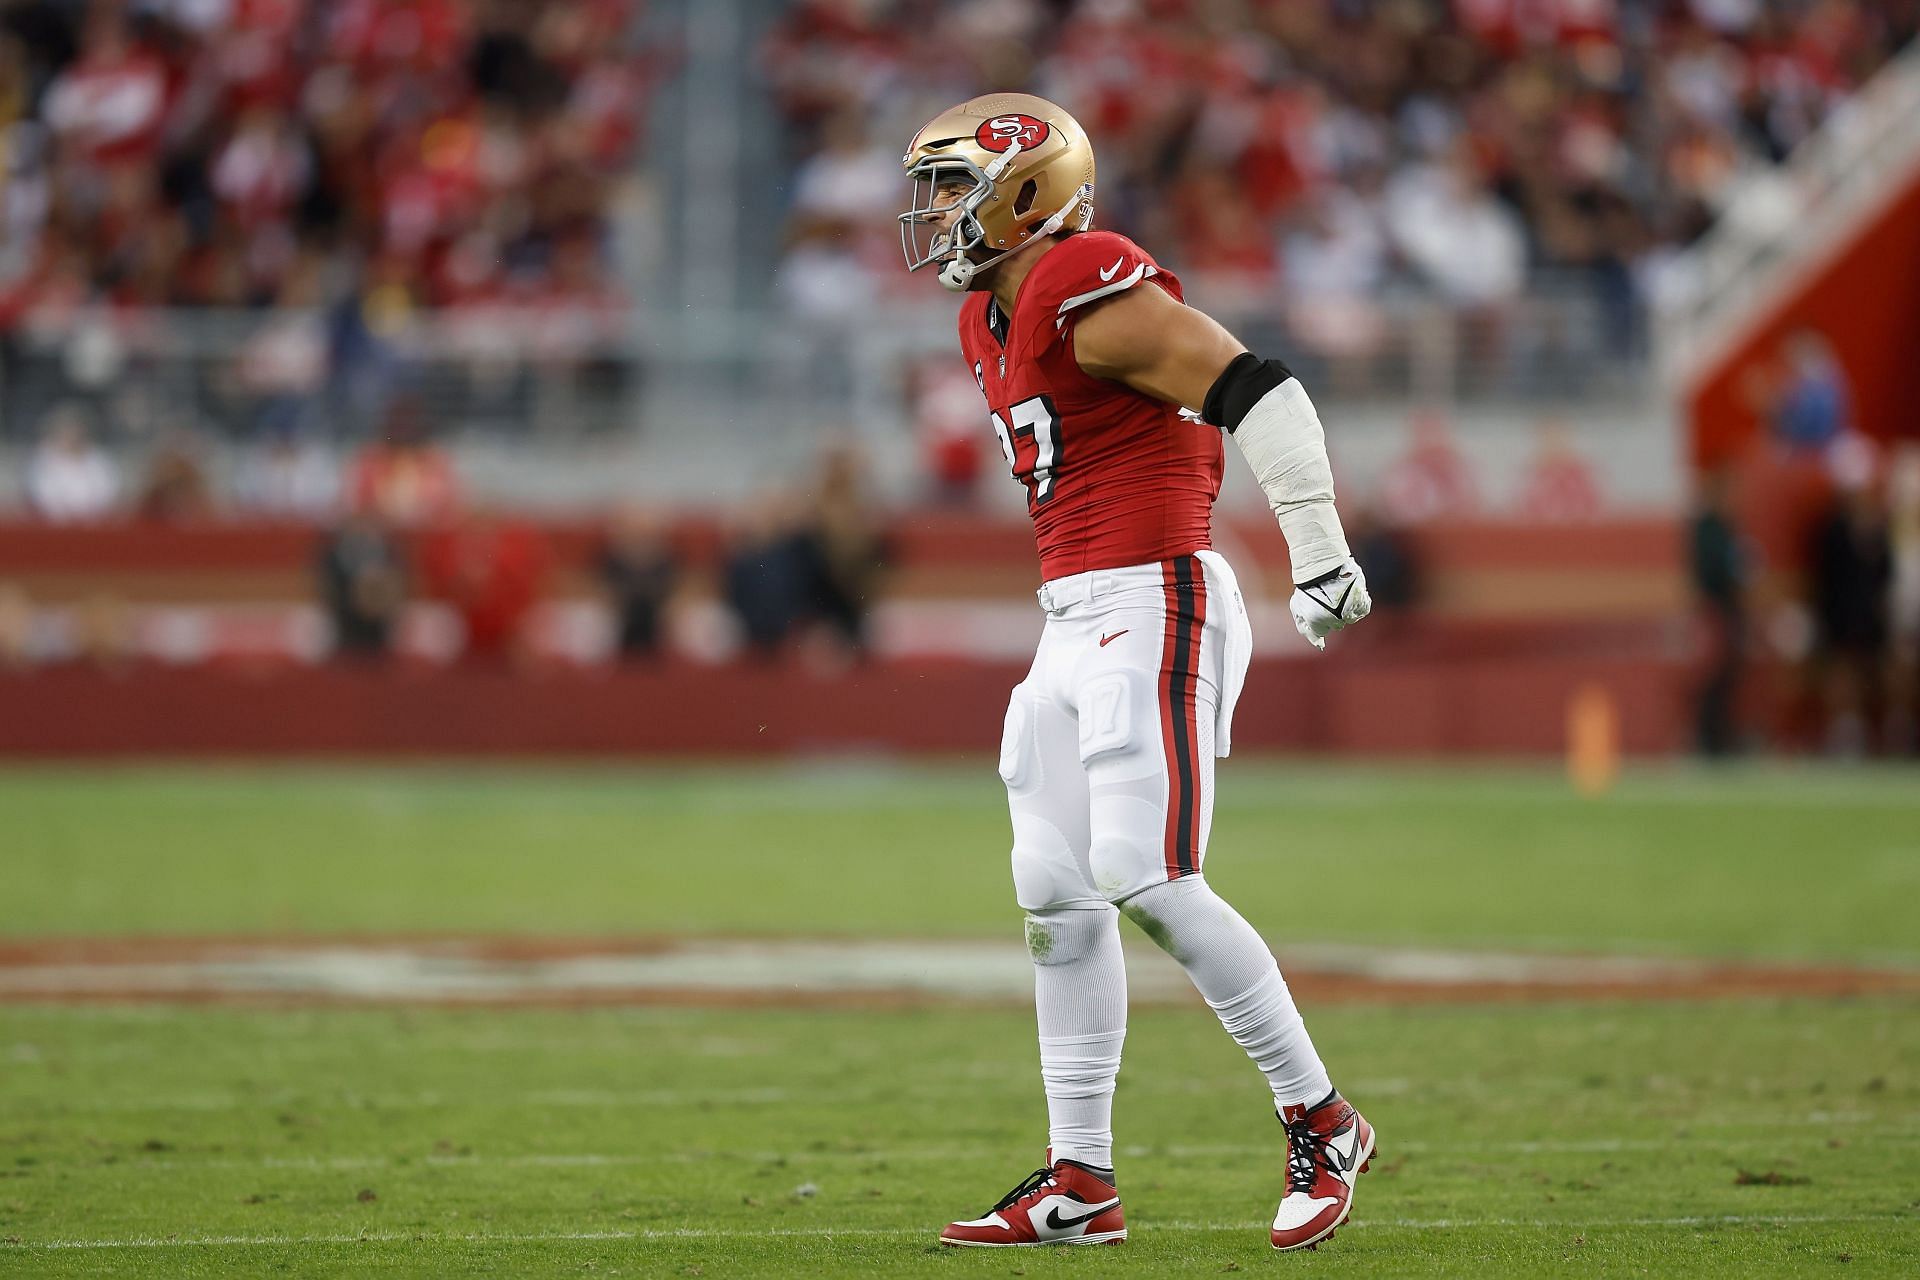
1064 935
1124 865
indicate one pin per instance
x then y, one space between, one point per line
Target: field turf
1737 1138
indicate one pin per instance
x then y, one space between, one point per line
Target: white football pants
1108 758
1110 740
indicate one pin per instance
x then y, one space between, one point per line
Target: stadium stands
254 153
309 176
1463 149
270 268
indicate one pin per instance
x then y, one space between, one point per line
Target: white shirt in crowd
290 479
71 482
1458 234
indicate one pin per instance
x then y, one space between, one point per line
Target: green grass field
1737 1137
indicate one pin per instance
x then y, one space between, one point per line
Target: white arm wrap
1283 442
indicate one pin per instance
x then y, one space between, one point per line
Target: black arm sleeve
1239 387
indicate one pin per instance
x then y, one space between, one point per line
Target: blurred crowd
246 153
1805 556
331 168
71 477
1334 152
407 565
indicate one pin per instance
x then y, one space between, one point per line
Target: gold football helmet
993 174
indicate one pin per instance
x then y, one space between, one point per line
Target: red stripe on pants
1184 583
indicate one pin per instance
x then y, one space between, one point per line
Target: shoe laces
1306 1156
1028 1185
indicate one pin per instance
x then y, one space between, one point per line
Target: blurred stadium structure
1543 265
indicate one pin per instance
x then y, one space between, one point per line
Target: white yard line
728 968
652 1234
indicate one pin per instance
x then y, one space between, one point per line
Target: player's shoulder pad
1089 266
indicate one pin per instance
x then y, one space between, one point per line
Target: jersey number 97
1032 445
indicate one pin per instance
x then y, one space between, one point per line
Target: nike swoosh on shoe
1056 1223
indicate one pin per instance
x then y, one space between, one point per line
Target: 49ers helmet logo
1002 132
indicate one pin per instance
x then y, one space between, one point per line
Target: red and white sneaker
1060 1204
1329 1145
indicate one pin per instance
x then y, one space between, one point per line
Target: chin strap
958 272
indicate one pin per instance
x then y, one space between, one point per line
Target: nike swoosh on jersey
1107 640
1108 273
1057 1223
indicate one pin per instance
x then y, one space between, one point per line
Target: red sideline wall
1866 300
1627 567
1518 619
1488 704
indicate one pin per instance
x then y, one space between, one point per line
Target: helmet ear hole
1024 201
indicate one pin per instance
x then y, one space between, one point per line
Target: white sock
1236 973
1080 998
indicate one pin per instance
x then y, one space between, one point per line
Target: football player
1110 397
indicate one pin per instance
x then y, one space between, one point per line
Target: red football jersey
1113 477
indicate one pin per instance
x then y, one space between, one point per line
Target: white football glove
1331 601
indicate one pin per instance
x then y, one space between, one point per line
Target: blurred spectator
640 572
1851 572
1559 486
404 479
492 569
1456 232
175 486
845 548
823 278
1720 569
16 629
363 585
1807 399
948 409
70 478
1903 600
1392 565
766 574
107 107
849 176
289 477
283 364
1431 480
103 632
1336 260
1221 232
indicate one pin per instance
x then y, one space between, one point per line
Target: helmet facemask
947 190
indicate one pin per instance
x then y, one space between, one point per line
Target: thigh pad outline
1019 754
1120 726
1106 714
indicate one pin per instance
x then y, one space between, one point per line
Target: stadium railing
1793 212
547 376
